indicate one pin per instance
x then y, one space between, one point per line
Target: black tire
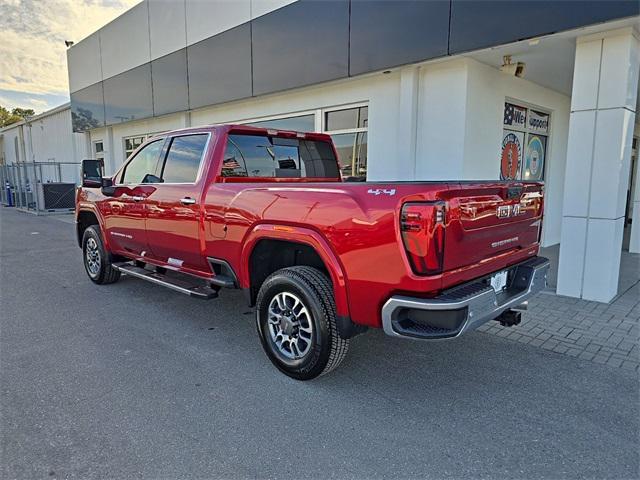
92 250
326 349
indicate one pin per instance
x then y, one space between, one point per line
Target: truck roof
240 128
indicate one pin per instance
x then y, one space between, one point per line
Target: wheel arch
266 237
85 217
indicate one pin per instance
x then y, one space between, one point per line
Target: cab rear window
276 157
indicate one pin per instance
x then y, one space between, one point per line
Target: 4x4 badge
379 191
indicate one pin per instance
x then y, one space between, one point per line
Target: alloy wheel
92 257
290 325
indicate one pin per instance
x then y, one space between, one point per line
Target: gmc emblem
506 211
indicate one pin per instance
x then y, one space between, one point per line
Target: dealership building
408 90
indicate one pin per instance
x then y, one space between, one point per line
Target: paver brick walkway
603 333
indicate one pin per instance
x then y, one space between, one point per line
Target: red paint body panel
354 227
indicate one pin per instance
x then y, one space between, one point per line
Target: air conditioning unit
53 197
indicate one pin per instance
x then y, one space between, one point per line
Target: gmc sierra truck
321 258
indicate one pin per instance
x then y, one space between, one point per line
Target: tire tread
109 274
321 285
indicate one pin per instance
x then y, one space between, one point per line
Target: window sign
538 122
534 158
524 143
514 116
511 155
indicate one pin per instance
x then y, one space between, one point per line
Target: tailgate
485 220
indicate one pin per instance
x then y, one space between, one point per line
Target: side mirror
92 171
108 190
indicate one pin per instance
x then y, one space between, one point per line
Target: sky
33 59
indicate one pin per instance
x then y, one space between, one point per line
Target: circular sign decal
533 165
511 155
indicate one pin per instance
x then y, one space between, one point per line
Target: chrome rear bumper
464 307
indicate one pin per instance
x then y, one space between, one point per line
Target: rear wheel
296 320
96 260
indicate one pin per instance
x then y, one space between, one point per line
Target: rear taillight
422 225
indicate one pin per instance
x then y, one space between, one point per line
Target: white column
407 125
442 120
634 241
185 119
603 103
110 156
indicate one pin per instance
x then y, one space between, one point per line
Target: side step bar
182 285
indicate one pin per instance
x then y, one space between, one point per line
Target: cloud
40 103
33 58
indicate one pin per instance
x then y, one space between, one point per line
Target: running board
182 285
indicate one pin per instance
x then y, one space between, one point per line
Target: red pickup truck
320 258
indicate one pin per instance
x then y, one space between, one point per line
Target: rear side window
183 158
275 157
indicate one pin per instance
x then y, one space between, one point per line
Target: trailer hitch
509 318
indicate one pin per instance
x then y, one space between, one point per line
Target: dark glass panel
87 108
484 23
389 33
169 76
127 96
303 43
220 68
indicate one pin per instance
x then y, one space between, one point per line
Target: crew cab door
173 208
124 212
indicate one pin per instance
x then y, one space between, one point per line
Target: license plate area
498 281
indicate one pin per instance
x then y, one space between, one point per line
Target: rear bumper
464 307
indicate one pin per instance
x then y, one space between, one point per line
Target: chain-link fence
40 187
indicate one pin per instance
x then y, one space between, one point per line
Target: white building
408 90
48 141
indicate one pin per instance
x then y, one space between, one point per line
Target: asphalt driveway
132 380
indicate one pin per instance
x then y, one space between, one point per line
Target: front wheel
96 261
296 320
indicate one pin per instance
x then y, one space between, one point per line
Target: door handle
187 201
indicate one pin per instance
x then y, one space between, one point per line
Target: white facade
456 129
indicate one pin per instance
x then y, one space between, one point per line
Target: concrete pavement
132 380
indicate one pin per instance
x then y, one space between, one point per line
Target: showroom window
299 123
525 142
347 125
348 129
131 143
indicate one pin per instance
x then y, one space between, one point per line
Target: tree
8 117
23 112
